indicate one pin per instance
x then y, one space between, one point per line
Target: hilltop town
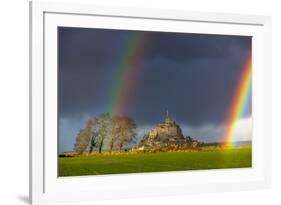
167 134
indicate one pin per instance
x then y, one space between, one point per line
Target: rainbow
126 73
239 103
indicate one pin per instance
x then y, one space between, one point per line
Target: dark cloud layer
192 75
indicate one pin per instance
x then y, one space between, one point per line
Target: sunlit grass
208 158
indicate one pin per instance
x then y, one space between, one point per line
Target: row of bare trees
105 132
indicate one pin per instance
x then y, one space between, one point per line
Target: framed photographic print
130 102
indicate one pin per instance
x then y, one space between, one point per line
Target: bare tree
116 131
125 131
103 130
84 136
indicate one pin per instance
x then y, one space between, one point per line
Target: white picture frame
46 187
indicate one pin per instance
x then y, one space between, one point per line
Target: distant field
155 162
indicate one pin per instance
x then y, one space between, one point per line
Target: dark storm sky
192 75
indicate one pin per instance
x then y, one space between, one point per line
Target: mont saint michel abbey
167 133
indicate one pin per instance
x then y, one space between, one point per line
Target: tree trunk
100 147
91 149
111 145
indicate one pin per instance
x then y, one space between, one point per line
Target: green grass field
155 162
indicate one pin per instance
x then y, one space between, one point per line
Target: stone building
167 133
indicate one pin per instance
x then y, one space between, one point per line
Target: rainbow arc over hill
127 73
240 101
